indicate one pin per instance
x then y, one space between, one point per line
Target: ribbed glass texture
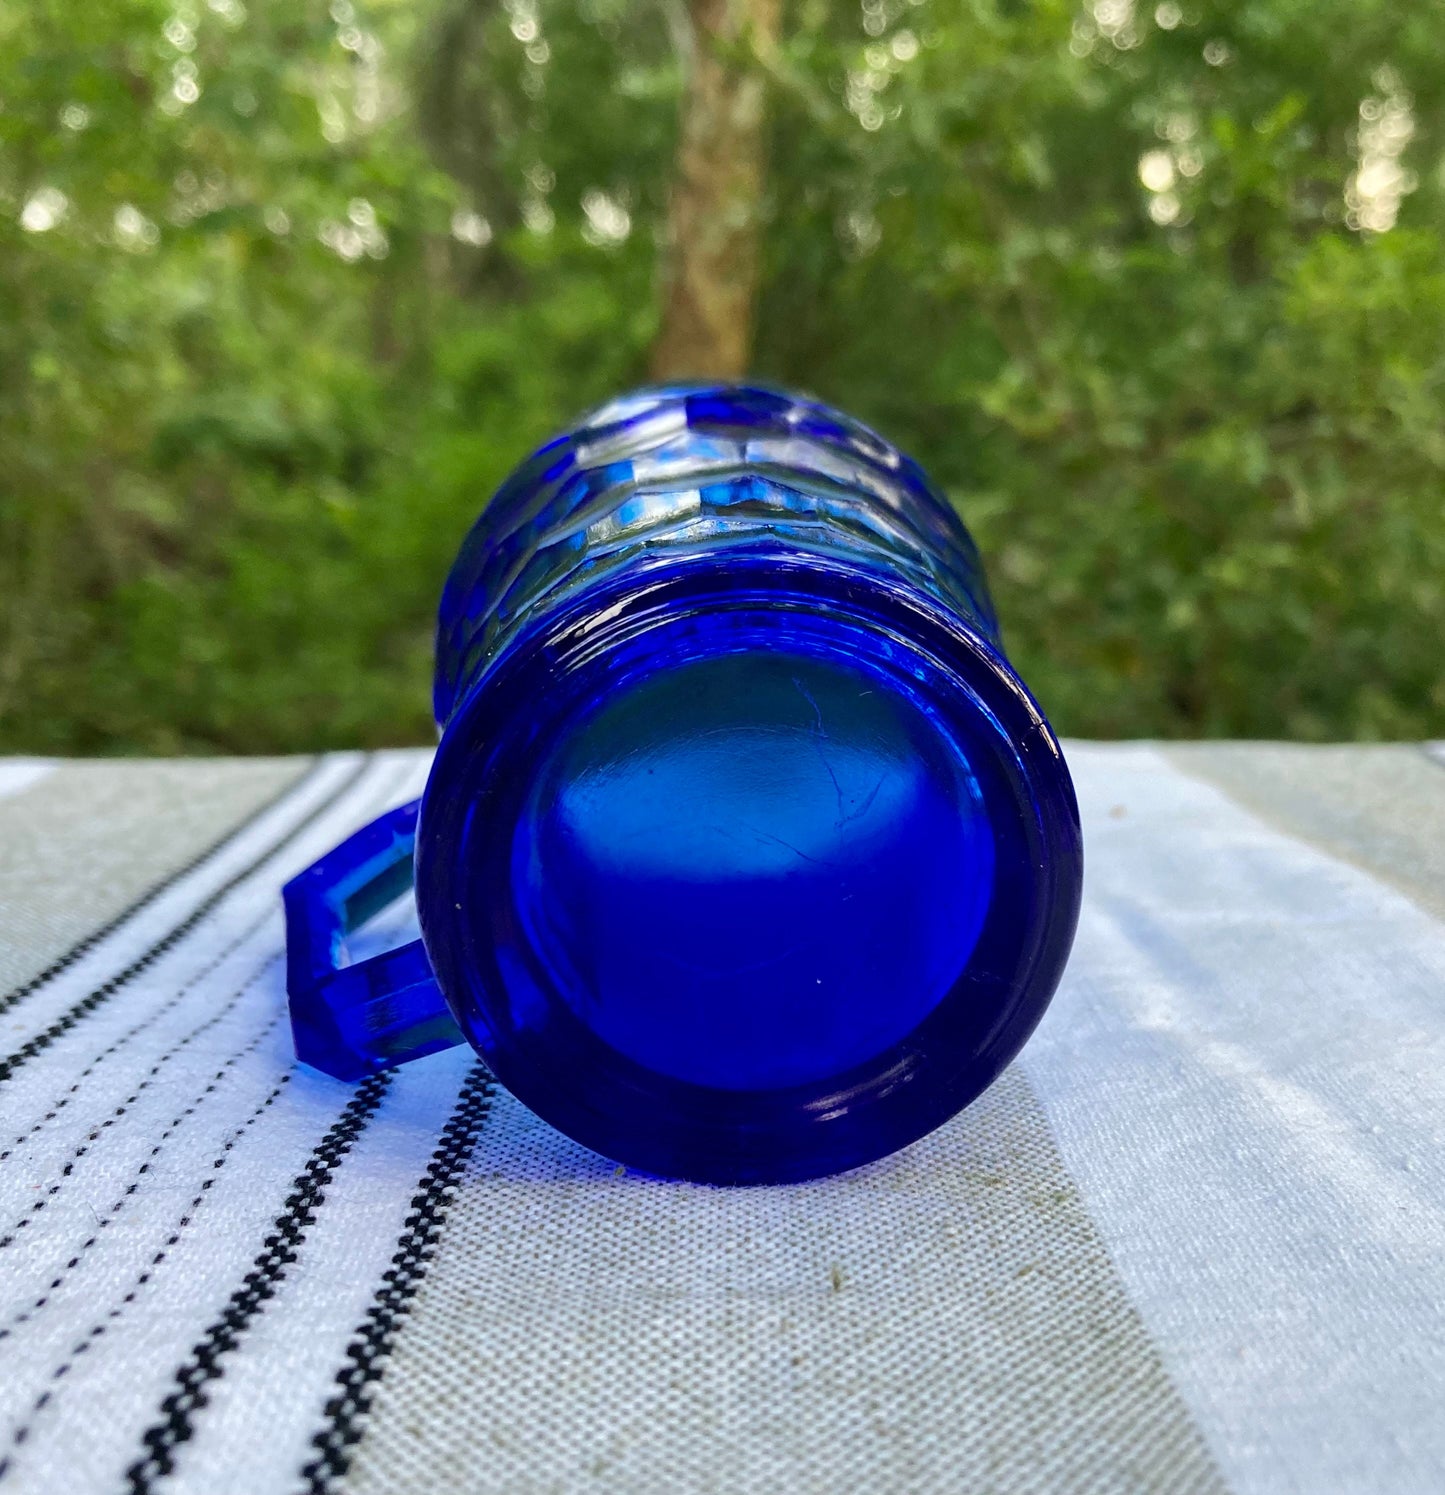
746 856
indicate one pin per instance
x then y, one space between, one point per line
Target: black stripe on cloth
176 1122
98 1330
371 1343
103 1222
205 1363
166 1055
82 1148
64 962
107 989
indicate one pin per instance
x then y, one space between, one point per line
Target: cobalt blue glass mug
745 855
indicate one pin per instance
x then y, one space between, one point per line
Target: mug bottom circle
762 878
753 869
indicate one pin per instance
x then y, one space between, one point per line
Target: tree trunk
715 210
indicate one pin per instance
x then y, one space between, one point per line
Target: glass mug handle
351 1020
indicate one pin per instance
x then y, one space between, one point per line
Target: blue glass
745 855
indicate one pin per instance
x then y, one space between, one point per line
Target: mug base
751 870
761 877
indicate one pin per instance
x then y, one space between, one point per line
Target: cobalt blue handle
352 1019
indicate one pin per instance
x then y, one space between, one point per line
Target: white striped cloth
1194 1240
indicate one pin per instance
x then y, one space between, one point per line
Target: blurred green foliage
1157 294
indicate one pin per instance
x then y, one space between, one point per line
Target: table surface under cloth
1193 1240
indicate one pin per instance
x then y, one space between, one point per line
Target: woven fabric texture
1194 1240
